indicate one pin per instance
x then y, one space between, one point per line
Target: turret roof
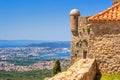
75 12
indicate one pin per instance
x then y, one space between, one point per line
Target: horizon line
30 40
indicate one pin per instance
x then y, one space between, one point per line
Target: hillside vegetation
28 75
41 74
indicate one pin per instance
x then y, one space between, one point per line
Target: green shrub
88 29
57 67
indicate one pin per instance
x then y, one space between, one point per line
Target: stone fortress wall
98 40
104 45
84 69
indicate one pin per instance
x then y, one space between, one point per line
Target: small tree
57 67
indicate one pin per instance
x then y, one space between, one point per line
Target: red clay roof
111 14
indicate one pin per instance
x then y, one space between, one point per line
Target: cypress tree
57 67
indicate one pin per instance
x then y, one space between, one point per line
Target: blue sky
43 19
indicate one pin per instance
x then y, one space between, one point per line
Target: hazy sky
43 19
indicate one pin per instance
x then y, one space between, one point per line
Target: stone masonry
84 69
104 45
78 44
100 39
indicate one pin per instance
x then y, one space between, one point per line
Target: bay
52 56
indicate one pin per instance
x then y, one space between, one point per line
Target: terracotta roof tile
111 14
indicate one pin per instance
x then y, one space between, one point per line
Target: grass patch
110 77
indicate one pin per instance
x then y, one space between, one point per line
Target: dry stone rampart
84 69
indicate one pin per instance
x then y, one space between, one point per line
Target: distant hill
33 43
57 44
17 43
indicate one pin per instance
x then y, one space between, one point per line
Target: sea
52 56
22 43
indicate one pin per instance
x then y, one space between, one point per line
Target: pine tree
57 67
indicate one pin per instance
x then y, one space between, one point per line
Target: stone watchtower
74 14
79 35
